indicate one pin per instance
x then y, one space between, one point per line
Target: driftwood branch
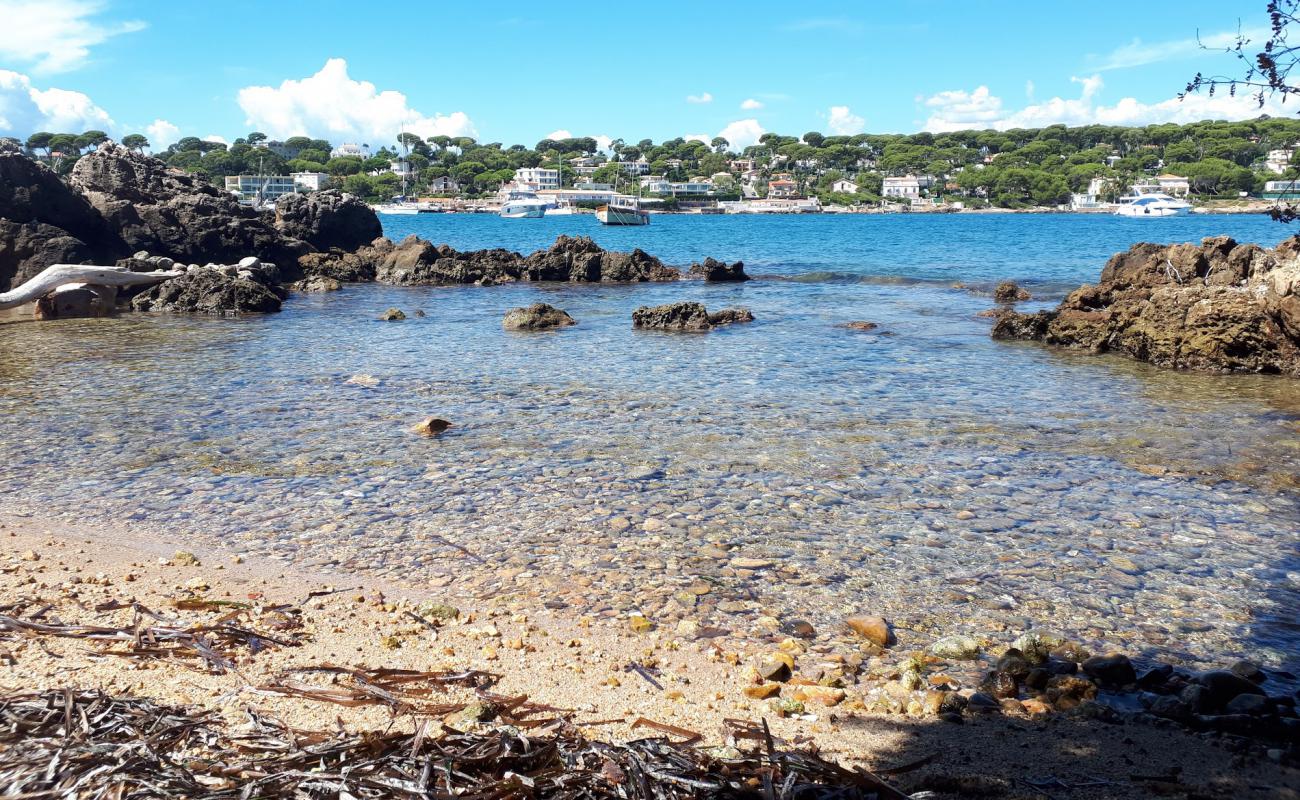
58 275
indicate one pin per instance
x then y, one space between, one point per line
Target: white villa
908 186
657 184
351 149
310 181
638 167
537 178
844 185
1175 185
1278 161
249 188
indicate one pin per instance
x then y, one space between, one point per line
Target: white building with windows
266 188
537 178
1278 161
351 149
1175 185
844 185
905 186
635 168
657 184
310 181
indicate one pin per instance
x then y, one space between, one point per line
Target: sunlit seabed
923 471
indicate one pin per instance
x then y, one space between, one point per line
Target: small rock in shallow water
432 426
873 629
860 325
961 648
392 315
537 317
1114 669
1009 292
1222 687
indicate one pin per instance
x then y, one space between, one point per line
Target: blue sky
518 72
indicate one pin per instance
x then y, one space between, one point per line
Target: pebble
874 629
961 648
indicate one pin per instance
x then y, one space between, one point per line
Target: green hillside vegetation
1009 169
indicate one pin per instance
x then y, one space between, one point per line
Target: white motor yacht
1151 204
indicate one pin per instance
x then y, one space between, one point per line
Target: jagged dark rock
1009 292
715 271
43 222
214 289
170 213
327 220
537 317
1218 306
686 317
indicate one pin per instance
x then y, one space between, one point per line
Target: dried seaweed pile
88 744
210 644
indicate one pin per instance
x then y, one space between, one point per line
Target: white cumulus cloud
556 136
24 109
742 133
750 104
699 98
216 139
844 122
698 137
161 133
55 35
979 109
331 105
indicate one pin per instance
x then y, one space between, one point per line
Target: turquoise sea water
922 471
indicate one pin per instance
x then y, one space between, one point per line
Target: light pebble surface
568 660
950 483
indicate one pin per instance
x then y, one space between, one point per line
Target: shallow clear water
922 471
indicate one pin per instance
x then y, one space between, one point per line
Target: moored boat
524 208
1151 204
622 213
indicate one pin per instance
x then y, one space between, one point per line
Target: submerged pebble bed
788 467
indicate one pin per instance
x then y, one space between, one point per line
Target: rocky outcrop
715 271
170 213
537 317
686 317
44 222
317 283
417 262
1218 306
1009 292
327 220
250 286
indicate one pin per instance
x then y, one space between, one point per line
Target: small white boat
560 211
623 213
397 209
1151 204
524 208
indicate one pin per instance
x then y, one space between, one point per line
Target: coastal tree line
1009 169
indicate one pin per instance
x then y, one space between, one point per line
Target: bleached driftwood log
52 278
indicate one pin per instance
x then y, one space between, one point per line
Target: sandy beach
564 661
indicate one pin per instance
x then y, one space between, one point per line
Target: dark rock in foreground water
214 290
417 262
715 271
537 317
1009 292
686 317
1218 306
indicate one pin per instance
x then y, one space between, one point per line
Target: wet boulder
1218 306
1009 292
537 317
715 271
686 317
214 289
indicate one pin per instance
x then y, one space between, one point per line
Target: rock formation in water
537 317
249 286
686 317
417 262
1218 306
715 271
44 222
119 202
327 220
170 213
